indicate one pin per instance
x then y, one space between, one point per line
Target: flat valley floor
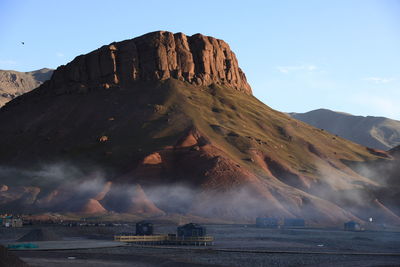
235 245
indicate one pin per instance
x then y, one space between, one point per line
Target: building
189 234
191 230
144 228
294 223
6 221
267 222
10 221
16 222
352 226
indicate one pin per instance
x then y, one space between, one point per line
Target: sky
298 56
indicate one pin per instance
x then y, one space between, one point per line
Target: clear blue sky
297 55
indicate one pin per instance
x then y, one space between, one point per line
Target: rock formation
130 199
197 59
15 83
140 204
92 206
213 151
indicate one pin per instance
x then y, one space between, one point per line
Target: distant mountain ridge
14 83
376 132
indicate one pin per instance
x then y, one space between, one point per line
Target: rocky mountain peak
196 59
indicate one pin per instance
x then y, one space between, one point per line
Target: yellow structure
165 239
141 238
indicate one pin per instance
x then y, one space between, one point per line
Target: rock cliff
198 59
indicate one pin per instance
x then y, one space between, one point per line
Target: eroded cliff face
197 59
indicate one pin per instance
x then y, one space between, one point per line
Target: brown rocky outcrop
197 59
92 206
140 204
125 198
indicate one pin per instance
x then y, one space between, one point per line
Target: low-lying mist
66 188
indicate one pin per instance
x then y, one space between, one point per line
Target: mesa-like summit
167 124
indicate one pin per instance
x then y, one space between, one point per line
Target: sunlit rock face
196 59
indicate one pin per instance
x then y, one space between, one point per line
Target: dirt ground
235 245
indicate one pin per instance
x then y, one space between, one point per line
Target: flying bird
23 43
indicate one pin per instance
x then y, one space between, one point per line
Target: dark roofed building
352 226
144 228
191 230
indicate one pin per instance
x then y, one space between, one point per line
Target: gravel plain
235 245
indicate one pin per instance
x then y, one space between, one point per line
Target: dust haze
65 187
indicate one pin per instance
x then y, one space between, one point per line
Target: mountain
376 132
15 83
167 124
387 173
